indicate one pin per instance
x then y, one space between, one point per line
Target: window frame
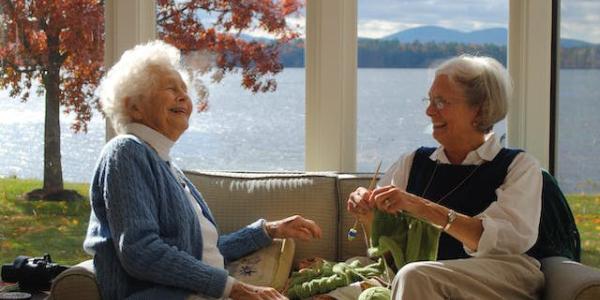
331 130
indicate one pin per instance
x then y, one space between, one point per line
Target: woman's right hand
243 291
359 205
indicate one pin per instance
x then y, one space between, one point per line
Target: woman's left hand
294 227
391 199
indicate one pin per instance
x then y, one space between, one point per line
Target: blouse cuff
260 237
487 241
264 227
228 286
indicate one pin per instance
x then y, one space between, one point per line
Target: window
22 124
249 131
578 138
399 42
245 131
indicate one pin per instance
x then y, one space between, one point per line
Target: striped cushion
237 199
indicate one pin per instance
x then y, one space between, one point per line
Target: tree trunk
53 179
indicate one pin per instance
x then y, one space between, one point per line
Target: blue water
242 131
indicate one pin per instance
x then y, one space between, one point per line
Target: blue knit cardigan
144 233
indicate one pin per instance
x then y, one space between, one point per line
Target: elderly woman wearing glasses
151 232
485 198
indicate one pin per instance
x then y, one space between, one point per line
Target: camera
32 273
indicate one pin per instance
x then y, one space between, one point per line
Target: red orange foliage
39 34
185 26
42 36
59 43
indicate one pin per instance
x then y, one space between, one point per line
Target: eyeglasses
438 103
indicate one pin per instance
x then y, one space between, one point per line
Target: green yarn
330 276
375 293
407 238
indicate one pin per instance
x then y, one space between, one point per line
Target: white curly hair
134 76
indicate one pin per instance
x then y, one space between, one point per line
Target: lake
242 131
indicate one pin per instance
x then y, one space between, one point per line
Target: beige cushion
566 279
347 184
77 282
269 266
238 199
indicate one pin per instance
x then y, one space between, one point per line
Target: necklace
437 163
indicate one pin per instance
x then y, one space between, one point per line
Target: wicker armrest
77 282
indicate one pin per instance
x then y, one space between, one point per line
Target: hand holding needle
352 232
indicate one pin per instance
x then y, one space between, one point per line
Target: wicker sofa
237 199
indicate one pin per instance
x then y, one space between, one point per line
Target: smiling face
167 107
453 124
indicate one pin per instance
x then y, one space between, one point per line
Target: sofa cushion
238 199
269 266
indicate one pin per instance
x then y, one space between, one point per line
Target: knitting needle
352 231
374 179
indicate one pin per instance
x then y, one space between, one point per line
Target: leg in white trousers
491 277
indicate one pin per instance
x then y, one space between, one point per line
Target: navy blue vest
471 198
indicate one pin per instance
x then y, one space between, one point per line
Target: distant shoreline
562 68
395 54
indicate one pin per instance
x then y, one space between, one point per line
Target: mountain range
497 36
420 47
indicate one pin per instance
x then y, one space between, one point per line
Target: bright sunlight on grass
33 228
586 209
58 228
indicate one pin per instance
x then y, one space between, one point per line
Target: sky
580 19
379 18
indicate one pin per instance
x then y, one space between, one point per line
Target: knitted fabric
375 293
405 237
329 276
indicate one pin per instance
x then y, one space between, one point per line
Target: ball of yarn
375 293
352 234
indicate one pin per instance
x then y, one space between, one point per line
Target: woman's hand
391 199
359 204
294 227
245 291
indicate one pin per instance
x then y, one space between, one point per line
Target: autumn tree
58 44
44 43
216 27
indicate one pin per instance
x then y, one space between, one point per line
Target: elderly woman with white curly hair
486 199
151 232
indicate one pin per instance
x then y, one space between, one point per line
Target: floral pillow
269 266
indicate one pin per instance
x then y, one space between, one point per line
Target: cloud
377 18
580 20
465 15
379 28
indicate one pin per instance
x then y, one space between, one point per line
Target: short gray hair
134 77
486 85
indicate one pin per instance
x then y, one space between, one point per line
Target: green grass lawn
58 228
586 209
33 228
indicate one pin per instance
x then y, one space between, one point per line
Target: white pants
491 277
